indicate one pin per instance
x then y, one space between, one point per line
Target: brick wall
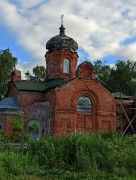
67 119
55 63
12 91
27 98
7 127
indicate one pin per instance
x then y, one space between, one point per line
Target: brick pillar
16 75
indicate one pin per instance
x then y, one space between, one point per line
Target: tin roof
9 103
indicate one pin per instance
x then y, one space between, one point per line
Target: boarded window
84 104
66 66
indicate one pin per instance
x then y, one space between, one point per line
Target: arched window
84 104
33 127
66 66
1 124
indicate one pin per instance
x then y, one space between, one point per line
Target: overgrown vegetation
78 156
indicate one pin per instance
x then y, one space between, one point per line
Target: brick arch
40 111
85 121
68 56
91 95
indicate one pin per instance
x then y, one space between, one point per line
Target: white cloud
127 52
98 26
28 4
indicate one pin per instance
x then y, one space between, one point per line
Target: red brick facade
6 124
55 64
81 103
68 119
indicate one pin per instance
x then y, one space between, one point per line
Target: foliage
33 128
121 78
7 64
77 156
3 136
38 74
103 70
18 128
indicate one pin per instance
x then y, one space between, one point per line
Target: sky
104 29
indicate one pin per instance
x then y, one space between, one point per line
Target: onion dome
62 42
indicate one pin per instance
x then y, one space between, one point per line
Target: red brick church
71 99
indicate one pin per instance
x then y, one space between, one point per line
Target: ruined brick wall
27 98
50 96
12 91
67 119
36 107
7 127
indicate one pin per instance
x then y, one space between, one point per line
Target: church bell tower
61 57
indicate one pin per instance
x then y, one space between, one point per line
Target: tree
7 64
123 77
38 74
102 70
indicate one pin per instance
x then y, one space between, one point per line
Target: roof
9 103
25 85
62 42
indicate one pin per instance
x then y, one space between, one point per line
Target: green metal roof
25 85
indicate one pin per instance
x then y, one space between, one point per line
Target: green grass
79 156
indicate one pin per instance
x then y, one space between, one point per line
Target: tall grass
77 156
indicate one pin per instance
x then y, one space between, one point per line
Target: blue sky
104 30
8 40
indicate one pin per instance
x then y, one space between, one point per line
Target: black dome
61 42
